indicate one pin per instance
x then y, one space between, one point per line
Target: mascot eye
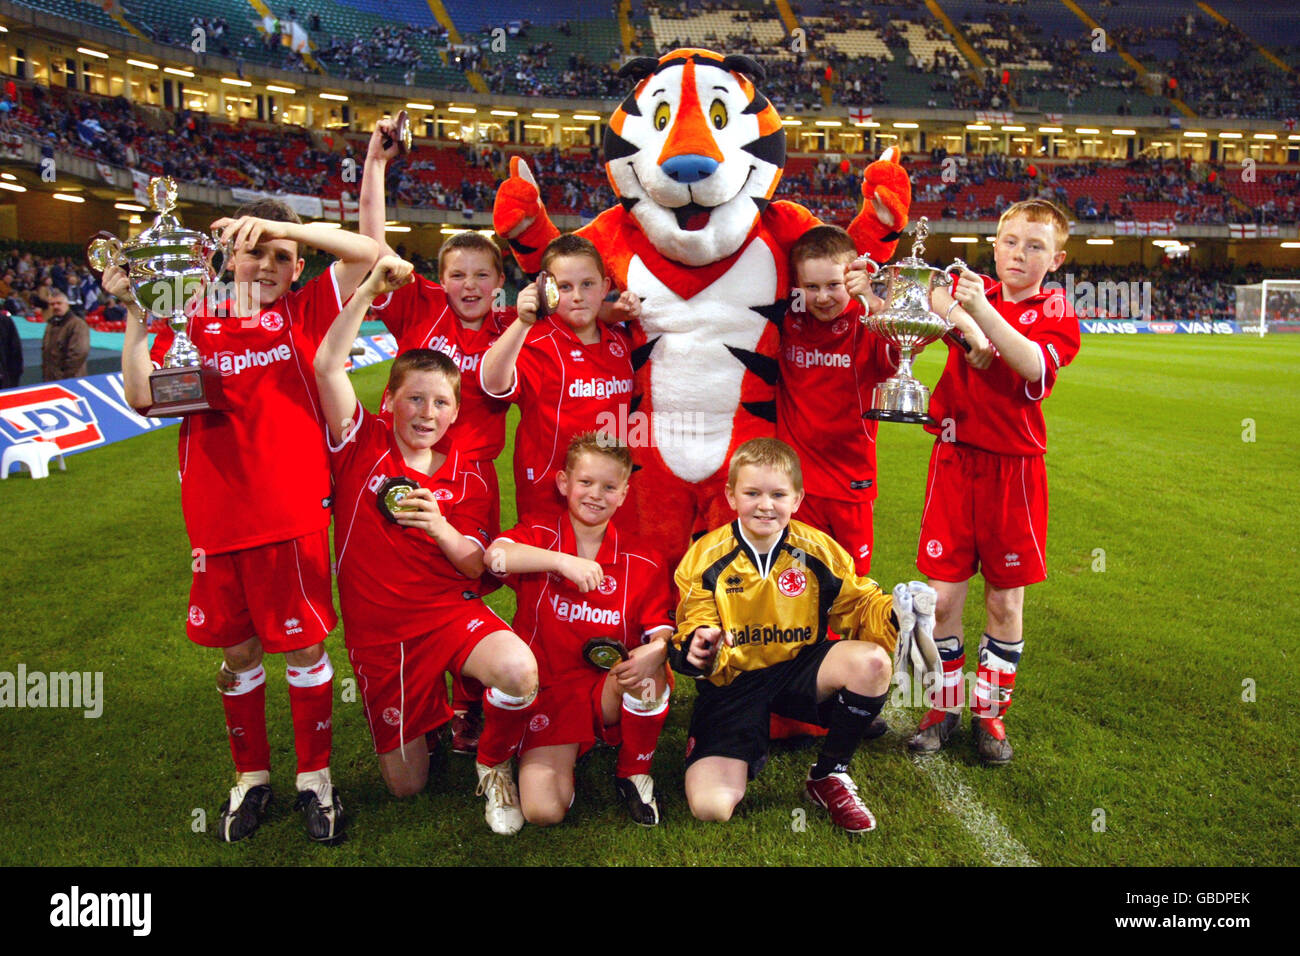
718 114
662 112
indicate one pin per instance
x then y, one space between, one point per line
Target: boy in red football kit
829 363
579 579
255 490
458 316
986 495
568 371
412 518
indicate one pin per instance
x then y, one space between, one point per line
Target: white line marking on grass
1000 848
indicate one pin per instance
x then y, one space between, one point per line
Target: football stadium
1150 727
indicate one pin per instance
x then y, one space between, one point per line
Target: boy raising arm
255 491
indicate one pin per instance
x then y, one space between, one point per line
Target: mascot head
695 152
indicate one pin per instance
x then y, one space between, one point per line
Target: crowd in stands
1197 191
27 280
361 56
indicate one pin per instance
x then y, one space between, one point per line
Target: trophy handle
223 247
872 265
953 335
104 250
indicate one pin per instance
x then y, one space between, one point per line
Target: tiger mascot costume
695 154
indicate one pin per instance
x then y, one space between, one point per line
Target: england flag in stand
860 114
1243 230
1054 118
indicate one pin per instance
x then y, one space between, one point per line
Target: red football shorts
279 593
569 713
402 684
848 522
984 512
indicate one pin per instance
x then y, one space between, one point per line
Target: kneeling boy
757 599
578 579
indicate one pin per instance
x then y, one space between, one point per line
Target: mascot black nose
689 169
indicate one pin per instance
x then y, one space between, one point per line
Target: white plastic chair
36 454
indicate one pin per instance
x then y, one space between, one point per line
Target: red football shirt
420 317
994 409
564 387
828 370
392 580
556 619
258 473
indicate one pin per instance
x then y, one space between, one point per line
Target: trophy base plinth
891 415
900 400
185 391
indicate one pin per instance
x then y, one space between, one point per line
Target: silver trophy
908 323
170 268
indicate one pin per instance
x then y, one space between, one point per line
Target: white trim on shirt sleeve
334 282
1042 377
351 433
514 385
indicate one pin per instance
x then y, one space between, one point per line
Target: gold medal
390 496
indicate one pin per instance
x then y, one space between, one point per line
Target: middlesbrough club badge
272 321
607 585
196 615
933 548
539 723
392 716
792 582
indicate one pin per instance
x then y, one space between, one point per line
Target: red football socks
311 698
244 701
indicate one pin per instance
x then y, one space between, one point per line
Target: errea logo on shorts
1012 559
272 321
933 548
474 625
196 615
232 363
293 626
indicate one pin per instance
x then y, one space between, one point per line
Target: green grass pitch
1152 720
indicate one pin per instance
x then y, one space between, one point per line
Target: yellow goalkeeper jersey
777 604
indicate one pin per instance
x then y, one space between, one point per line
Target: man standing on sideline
67 340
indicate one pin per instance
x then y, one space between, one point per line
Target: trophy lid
166 228
922 232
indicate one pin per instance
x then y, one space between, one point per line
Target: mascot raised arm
695 154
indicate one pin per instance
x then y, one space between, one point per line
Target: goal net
1269 306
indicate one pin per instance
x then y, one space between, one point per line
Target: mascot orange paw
885 182
518 202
